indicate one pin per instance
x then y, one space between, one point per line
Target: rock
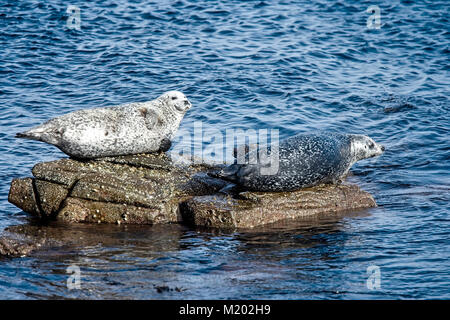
12 247
138 189
22 195
253 209
50 195
56 239
81 210
14 243
153 189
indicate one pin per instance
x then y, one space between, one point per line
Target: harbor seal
139 127
303 160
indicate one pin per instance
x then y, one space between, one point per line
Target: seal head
363 147
176 101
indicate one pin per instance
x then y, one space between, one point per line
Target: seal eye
174 98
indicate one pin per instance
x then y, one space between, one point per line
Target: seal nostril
186 103
383 148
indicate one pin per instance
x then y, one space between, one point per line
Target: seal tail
29 135
40 133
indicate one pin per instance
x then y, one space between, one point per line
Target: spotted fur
304 161
139 127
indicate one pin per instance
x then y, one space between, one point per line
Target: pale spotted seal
303 160
139 127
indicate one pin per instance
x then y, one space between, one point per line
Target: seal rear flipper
228 173
29 135
42 133
22 135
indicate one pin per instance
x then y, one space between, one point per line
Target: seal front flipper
151 118
165 145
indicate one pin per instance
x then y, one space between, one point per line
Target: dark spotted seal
139 127
301 161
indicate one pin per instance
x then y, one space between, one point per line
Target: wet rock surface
21 240
142 189
153 189
11 245
253 209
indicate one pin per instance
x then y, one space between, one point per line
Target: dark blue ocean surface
292 65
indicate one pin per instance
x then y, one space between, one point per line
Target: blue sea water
296 66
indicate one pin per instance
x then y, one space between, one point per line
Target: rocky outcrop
253 209
144 189
152 189
11 245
